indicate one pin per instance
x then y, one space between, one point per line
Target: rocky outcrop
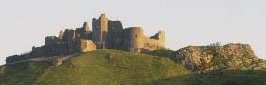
216 57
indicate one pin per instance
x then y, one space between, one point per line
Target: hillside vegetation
219 57
101 67
114 67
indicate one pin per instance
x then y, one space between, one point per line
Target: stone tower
134 39
86 27
100 29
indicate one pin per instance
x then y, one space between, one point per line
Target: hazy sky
25 23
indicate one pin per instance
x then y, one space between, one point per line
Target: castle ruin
105 34
111 35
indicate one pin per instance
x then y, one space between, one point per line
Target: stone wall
83 32
133 39
110 34
105 34
151 44
136 41
51 40
87 45
100 29
69 38
155 42
114 35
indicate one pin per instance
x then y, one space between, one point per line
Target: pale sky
25 23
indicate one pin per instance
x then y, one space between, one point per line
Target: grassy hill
101 67
114 67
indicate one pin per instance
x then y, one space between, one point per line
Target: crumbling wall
155 42
52 40
151 44
105 34
84 32
87 45
114 35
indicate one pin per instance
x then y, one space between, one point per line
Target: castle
105 34
111 35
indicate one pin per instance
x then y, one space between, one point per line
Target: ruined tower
134 39
100 29
114 35
105 34
86 27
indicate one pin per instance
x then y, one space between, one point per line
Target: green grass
96 68
22 73
226 77
229 77
114 67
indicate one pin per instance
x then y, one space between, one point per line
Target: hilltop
101 67
104 34
115 67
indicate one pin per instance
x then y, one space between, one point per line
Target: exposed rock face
87 45
215 57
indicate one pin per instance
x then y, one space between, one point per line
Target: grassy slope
22 73
96 68
123 68
219 78
230 77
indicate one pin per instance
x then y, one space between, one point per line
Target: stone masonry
105 34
